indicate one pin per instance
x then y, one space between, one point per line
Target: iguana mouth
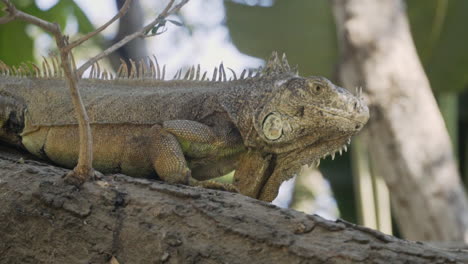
332 153
311 154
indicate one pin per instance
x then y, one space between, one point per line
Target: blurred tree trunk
313 194
408 140
131 22
372 195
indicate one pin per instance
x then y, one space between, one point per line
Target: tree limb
140 221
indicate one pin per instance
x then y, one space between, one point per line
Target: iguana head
300 122
302 112
285 112
290 121
293 121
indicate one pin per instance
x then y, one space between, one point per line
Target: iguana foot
215 185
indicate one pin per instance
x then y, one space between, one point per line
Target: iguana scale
264 126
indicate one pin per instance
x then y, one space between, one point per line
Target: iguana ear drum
273 126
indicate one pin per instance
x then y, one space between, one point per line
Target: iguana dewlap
265 126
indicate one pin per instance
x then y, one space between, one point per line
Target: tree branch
140 221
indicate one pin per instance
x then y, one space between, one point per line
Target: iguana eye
273 126
318 88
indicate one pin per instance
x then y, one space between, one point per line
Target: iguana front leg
253 172
272 184
261 176
167 156
175 138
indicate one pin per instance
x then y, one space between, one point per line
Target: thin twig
121 12
165 13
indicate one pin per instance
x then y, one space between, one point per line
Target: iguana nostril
357 127
361 114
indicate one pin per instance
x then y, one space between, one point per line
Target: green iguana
264 126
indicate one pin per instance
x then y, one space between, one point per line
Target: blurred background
241 34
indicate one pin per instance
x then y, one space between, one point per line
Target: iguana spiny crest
148 68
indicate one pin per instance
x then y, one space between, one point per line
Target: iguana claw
215 185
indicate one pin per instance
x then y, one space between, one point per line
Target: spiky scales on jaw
264 124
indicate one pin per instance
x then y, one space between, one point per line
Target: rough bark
408 138
138 221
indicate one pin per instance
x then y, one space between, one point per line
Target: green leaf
15 45
65 8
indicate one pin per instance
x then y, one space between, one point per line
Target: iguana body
264 127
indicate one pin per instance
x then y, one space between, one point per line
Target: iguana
265 125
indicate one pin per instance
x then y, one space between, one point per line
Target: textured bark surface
408 138
137 221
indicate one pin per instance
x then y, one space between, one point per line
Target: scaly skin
188 131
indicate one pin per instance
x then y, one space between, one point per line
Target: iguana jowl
264 126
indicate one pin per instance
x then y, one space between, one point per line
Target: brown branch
134 220
83 169
79 41
160 19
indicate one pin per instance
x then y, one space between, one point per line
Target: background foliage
16 38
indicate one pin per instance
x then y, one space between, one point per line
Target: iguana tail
11 120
